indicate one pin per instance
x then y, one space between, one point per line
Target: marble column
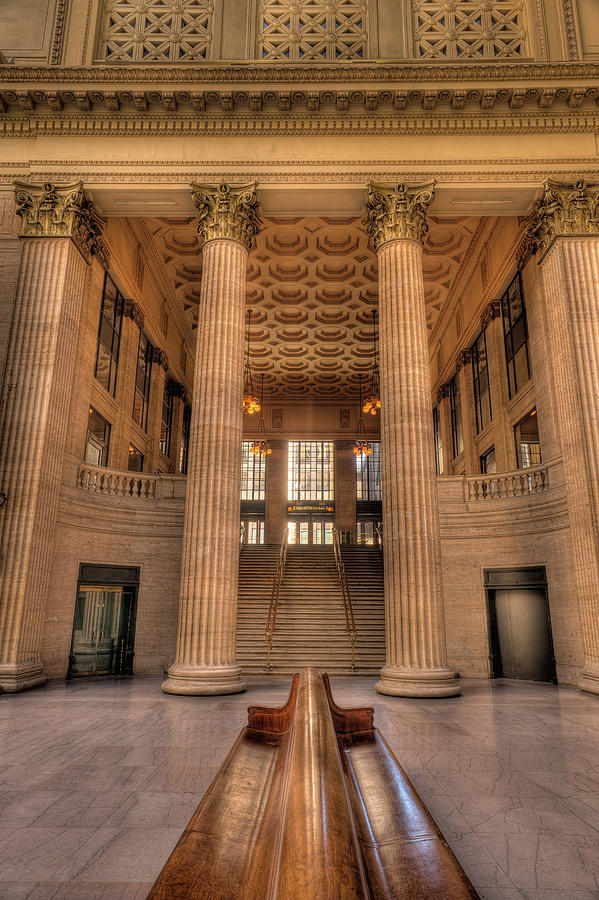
345 486
205 655
416 664
60 231
564 229
275 505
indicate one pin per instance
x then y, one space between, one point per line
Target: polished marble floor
99 778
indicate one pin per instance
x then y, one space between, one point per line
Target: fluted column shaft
572 308
416 650
205 655
36 397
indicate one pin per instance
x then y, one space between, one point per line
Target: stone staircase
311 627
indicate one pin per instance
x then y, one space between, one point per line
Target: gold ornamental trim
564 210
227 212
395 213
50 210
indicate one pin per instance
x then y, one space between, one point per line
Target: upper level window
312 30
135 461
97 440
482 391
166 422
488 464
515 332
469 29
184 445
253 474
156 31
438 440
310 472
141 396
368 474
109 335
528 446
455 402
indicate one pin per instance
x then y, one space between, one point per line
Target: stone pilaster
565 231
60 230
345 486
444 405
416 662
177 392
205 655
275 506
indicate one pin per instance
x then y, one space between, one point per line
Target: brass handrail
271 621
350 622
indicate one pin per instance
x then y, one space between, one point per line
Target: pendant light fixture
373 400
361 447
251 404
260 446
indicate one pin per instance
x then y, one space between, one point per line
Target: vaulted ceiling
312 289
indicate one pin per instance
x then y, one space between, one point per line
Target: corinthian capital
564 210
395 213
228 211
51 210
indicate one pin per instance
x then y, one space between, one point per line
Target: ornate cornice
443 392
227 211
464 359
133 311
565 210
51 210
491 312
176 389
160 358
396 213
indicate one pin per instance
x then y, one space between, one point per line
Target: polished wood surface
310 804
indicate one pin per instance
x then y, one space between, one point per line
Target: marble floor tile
99 778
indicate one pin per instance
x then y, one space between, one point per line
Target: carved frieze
397 212
51 210
176 389
464 359
565 210
443 392
227 211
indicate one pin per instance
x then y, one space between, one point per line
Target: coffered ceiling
312 288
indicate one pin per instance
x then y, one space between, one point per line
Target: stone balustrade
506 485
116 483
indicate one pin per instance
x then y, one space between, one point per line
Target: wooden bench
310 803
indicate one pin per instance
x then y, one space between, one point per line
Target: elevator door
103 631
521 634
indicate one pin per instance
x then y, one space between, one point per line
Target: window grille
253 474
469 29
311 474
141 397
156 30
482 390
312 30
368 474
109 336
515 332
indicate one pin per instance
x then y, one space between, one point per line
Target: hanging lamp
260 446
251 404
373 400
361 447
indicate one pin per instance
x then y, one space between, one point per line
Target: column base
203 680
589 679
399 681
15 677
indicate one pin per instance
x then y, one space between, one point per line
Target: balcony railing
507 484
114 483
